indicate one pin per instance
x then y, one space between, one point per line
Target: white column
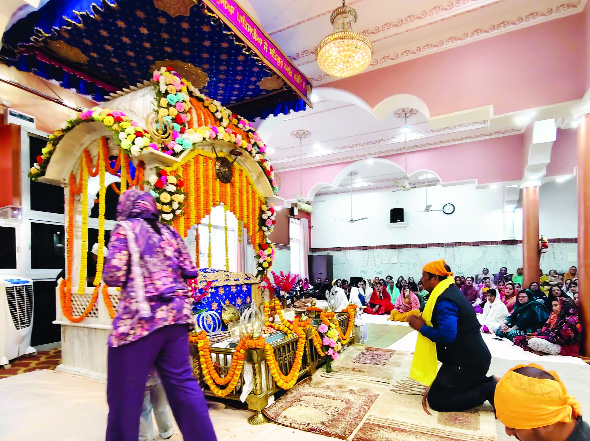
509 222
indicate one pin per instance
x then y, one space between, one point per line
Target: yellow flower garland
84 245
101 210
209 251
226 242
181 218
123 171
191 185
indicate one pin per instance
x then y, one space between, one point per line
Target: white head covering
95 250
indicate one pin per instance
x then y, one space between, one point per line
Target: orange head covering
437 268
524 402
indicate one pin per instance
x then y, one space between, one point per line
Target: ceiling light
314 98
344 52
270 150
523 119
561 179
358 180
317 146
361 184
370 161
493 186
406 129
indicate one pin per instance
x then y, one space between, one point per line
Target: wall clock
448 208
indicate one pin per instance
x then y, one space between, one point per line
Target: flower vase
329 364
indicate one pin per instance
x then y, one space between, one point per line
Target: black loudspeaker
320 266
396 215
293 211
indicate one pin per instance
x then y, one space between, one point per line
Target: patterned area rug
374 356
395 414
43 360
330 409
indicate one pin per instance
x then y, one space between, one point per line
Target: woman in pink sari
406 305
510 294
380 302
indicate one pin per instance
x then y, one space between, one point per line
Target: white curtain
304 248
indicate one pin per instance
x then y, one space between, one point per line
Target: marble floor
52 405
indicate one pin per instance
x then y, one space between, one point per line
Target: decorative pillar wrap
530 235
584 228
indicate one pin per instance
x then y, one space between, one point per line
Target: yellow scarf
425 363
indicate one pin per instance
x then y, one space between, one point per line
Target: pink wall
536 66
586 41
564 153
491 160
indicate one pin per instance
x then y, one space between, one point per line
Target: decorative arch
394 102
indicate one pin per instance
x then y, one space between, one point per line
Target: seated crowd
543 318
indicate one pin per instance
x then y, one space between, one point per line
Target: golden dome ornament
344 52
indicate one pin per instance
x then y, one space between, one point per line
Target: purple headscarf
136 204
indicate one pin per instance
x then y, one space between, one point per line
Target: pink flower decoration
154 146
228 131
163 179
175 135
323 328
179 106
134 124
332 343
238 139
262 149
156 77
326 341
268 222
171 145
214 129
335 355
331 352
183 117
249 147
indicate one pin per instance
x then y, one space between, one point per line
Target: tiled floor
43 360
382 336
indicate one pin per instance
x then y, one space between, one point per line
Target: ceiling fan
404 183
300 134
351 220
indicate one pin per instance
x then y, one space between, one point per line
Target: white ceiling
400 30
373 175
345 128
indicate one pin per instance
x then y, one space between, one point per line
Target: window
295 244
44 197
47 246
218 240
8 248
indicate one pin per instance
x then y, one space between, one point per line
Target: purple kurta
165 263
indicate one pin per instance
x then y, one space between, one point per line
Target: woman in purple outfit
150 262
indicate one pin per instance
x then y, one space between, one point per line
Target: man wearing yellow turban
450 332
534 406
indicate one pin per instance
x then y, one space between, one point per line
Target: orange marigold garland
66 302
289 380
108 302
210 374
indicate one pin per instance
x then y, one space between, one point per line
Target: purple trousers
128 369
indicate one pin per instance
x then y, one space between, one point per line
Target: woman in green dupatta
529 316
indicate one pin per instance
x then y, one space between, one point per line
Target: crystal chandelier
344 52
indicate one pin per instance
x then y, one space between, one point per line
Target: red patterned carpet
43 360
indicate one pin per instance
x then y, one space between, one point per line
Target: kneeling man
449 330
